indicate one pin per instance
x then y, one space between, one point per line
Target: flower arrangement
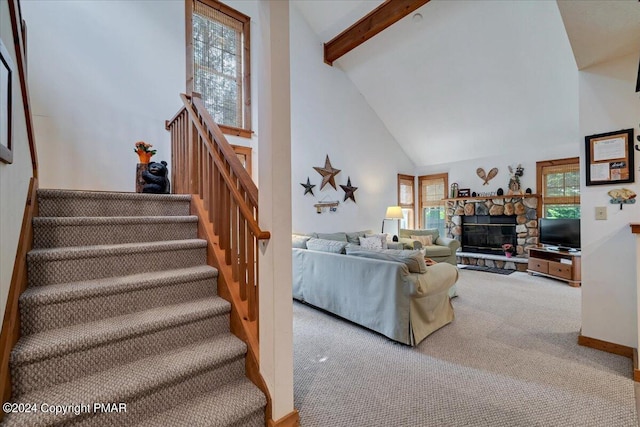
508 249
142 149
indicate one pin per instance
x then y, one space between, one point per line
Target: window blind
432 191
561 184
217 63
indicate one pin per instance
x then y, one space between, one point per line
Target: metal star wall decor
328 174
349 190
308 187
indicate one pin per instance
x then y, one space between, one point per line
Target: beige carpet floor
510 358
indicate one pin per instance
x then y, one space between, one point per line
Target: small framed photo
609 158
464 192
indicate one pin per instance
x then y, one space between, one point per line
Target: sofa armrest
453 244
395 245
410 243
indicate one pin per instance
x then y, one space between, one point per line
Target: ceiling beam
385 15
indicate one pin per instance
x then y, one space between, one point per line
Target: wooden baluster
243 258
253 297
234 240
251 272
212 190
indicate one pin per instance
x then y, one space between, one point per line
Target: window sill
230 130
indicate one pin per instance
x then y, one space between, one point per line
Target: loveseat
382 295
443 249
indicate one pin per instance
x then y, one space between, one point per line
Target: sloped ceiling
601 30
470 79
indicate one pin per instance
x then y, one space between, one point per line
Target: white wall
330 117
608 102
14 178
102 76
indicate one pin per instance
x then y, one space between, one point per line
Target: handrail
205 165
18 27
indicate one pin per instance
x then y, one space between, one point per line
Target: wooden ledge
635 227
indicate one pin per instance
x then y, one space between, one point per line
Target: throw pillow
353 237
382 237
339 237
323 245
424 240
414 260
298 241
370 243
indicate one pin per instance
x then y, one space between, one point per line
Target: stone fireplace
513 216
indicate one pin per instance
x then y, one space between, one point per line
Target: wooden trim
540 166
246 152
231 130
620 350
11 321
635 227
373 23
411 178
292 419
504 196
18 31
636 369
445 177
245 131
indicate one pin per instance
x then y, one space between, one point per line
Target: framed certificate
609 158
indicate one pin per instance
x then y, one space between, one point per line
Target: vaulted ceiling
472 79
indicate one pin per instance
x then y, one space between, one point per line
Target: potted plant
144 151
508 249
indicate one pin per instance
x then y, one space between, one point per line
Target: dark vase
500 192
473 194
528 191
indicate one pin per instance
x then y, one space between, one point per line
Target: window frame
245 131
540 185
410 224
445 178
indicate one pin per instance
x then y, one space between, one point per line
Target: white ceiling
475 78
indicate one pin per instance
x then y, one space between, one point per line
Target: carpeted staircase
122 308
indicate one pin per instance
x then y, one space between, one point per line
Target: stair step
44 359
103 203
52 232
148 386
73 264
55 306
243 402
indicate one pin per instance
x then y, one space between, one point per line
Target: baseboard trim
620 350
290 420
636 369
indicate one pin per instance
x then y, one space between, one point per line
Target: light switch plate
601 212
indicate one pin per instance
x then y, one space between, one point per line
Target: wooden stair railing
226 199
11 320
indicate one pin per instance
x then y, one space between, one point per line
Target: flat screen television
560 233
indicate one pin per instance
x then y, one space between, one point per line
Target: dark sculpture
156 178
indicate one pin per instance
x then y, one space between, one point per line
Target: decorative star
328 174
349 190
308 187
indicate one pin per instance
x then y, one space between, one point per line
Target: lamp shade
394 212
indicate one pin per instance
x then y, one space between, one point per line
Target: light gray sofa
377 294
443 248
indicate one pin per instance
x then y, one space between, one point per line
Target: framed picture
6 104
609 157
464 192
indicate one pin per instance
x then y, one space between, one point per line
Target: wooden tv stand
561 265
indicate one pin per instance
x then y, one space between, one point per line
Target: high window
433 208
559 186
218 63
406 190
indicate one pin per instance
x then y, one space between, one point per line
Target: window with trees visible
432 206
218 63
559 186
406 190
